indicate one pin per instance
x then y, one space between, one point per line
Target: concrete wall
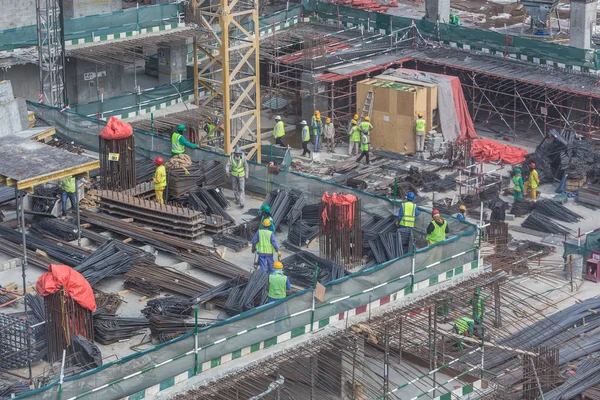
582 23
311 102
85 79
17 13
13 112
172 62
437 10
81 8
25 80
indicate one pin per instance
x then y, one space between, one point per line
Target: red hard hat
435 212
158 160
532 165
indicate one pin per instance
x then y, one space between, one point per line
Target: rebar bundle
541 223
557 211
215 202
168 279
117 163
522 207
7 390
442 185
220 293
141 286
189 179
253 294
295 211
246 230
144 170
110 329
376 226
391 245
586 376
341 235
280 202
233 242
301 234
301 267
108 302
14 349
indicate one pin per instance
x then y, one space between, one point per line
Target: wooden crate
574 184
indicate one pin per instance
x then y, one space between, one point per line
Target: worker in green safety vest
437 229
265 211
463 326
317 127
237 168
364 147
68 187
354 138
305 138
179 143
419 135
365 126
279 131
454 20
518 188
478 306
408 212
279 284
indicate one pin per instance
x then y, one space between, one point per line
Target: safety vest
408 214
478 307
211 130
278 130
420 125
68 184
316 124
461 325
516 183
277 286
237 169
305 134
176 147
264 245
533 179
163 181
438 234
355 136
364 144
365 126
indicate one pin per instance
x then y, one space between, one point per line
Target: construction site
358 199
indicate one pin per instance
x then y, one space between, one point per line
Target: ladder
367 106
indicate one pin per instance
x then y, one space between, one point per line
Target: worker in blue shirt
408 212
264 244
462 214
279 285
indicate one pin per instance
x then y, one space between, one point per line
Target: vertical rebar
386 361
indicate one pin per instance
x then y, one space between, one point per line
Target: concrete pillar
172 61
13 112
582 22
437 10
86 81
81 8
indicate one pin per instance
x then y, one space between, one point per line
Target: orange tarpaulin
75 285
116 129
340 200
490 150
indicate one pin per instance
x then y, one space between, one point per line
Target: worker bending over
518 185
364 147
159 180
354 138
237 166
266 214
329 134
462 213
179 143
317 127
534 181
437 229
419 135
278 131
478 304
279 284
264 244
305 138
408 212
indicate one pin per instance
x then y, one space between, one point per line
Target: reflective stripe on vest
279 130
355 136
211 130
438 234
68 184
305 134
277 284
478 307
516 183
364 145
237 169
408 214
163 181
420 125
462 325
176 147
264 245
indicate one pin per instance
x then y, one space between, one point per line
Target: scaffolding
50 27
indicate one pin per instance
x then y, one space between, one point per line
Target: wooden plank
38 180
128 240
45 134
122 292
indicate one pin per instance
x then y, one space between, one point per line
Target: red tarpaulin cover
490 150
116 129
74 283
338 199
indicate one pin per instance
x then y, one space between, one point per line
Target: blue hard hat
410 196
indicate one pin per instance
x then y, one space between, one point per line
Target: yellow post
195 70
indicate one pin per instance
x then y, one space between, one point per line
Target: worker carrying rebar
305 138
462 213
265 212
419 135
237 167
534 181
179 142
365 126
279 131
437 229
518 185
329 134
317 128
478 304
365 143
279 284
354 138
159 180
264 244
68 188
408 212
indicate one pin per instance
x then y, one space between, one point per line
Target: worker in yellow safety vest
354 138
159 180
305 138
279 284
68 187
365 142
264 244
408 212
237 168
365 126
178 141
437 229
420 135
534 181
278 131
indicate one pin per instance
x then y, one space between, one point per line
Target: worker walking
305 138
518 185
534 181
462 213
420 135
278 131
264 244
329 134
265 211
179 142
317 127
478 306
159 180
364 147
68 187
408 212
365 126
354 139
279 284
237 166
437 229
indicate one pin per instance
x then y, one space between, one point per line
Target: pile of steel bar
311 214
119 173
219 294
522 207
215 224
557 211
341 234
215 202
296 210
246 230
65 231
372 229
541 223
188 179
589 195
168 279
141 286
442 185
144 170
109 328
391 245
586 376
446 206
109 302
301 234
11 390
233 242
301 267
253 294
215 264
177 221
169 307
165 328
280 202
144 190
419 178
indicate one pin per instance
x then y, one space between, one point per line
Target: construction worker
478 304
68 187
237 166
211 129
356 117
159 180
179 143
518 185
454 20
437 229
365 126
464 326
278 131
462 213
534 181
264 244
364 147
279 284
408 212
354 138
420 135
266 214
329 134
317 127
305 138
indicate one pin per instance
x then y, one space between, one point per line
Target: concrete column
172 61
583 23
86 81
437 10
13 112
81 8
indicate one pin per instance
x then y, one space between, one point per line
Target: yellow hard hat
267 222
367 118
353 122
328 120
420 115
277 265
317 112
462 208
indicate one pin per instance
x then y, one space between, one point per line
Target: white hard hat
277 118
303 122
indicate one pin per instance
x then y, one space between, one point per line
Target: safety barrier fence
142 374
